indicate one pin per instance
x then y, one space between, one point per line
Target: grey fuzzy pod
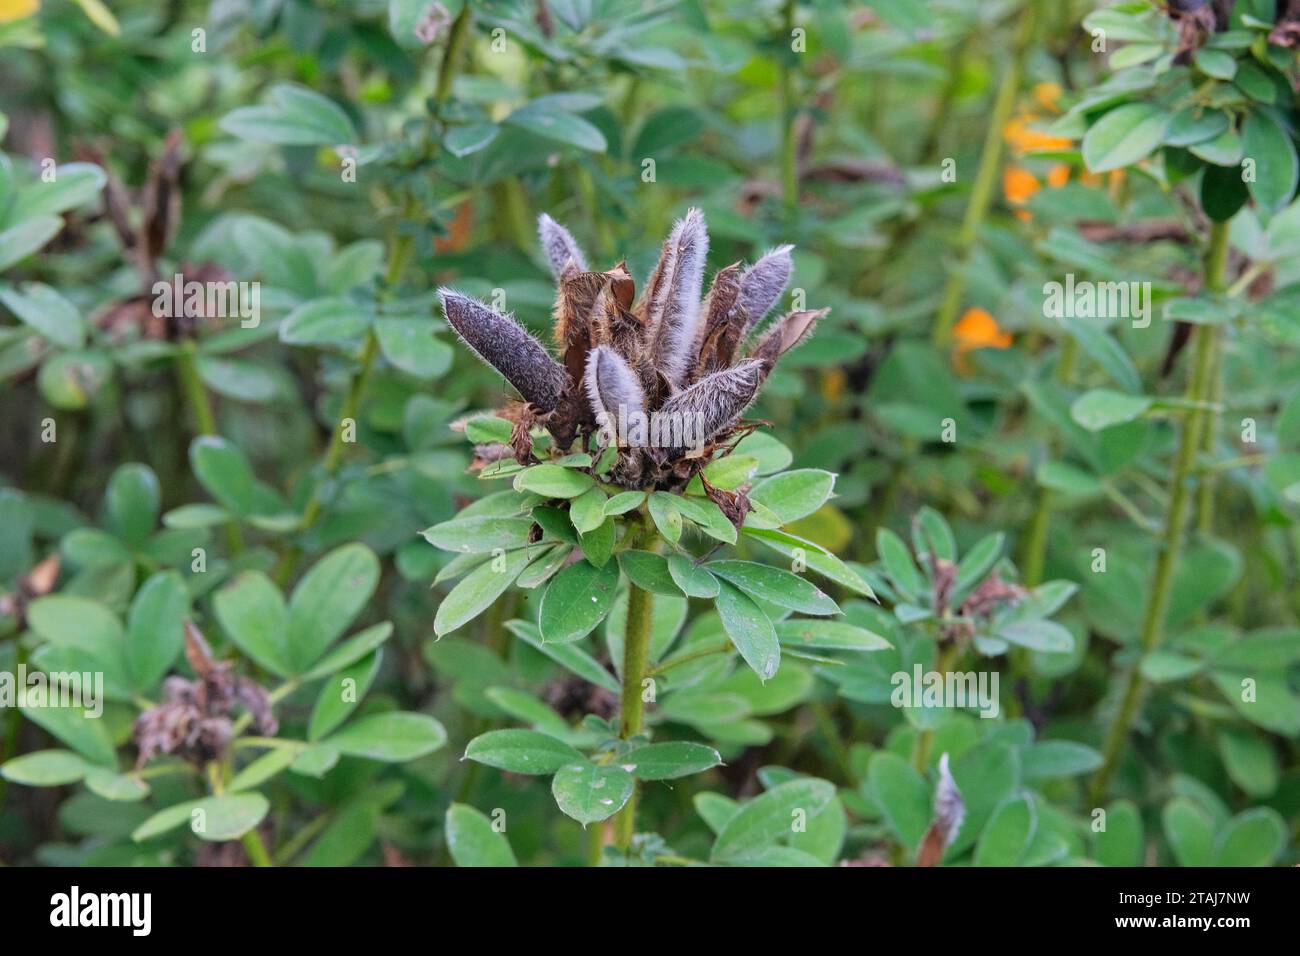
505 345
674 312
718 399
762 284
611 384
562 250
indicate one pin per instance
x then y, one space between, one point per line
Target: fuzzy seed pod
763 283
723 324
716 401
611 385
504 344
561 249
673 297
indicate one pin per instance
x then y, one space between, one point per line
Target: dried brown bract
194 721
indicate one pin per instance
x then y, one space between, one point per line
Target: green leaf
350 651
1123 136
477 590
568 656
488 429
587 511
668 761
328 597
21 240
796 494
576 600
623 502
464 141
902 795
1216 63
761 822
1190 832
392 737
46 311
1053 759
132 503
78 729
558 125
898 564
649 572
341 694
775 586
553 481
223 470
71 379
813 556
667 516
1252 838
45 768
472 840
772 456
1121 843
215 819
749 629
589 793
480 534
828 635
694 580
1273 153
1008 834
296 116
334 322
155 630
521 751
263 769
1038 635
1249 760
410 346
253 613
1103 408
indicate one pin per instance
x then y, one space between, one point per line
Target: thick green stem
636 664
1198 389
987 175
205 422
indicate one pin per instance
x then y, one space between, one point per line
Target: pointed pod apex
612 385
509 348
674 296
783 335
717 400
562 251
763 282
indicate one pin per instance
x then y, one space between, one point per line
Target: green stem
1198 388
925 739
205 422
1035 552
1205 495
256 849
636 664
987 175
789 146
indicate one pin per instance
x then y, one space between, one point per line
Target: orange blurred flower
1019 185
11 10
1047 94
977 329
1025 140
1058 175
